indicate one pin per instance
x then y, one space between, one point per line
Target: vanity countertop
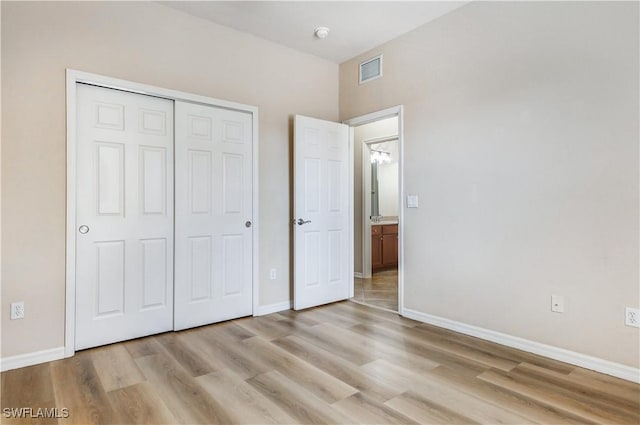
384 222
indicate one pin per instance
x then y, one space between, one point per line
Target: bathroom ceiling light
380 157
321 32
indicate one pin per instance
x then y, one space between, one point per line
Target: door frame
366 201
73 77
366 119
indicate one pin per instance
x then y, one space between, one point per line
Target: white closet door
323 225
213 262
124 211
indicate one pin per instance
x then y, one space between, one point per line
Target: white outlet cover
272 274
557 303
632 317
17 310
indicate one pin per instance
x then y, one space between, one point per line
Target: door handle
84 229
301 222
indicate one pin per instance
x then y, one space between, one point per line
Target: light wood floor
342 363
381 290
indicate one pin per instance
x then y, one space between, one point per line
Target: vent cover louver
370 69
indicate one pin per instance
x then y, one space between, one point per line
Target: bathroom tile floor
379 291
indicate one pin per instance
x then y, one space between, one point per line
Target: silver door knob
301 222
83 229
247 224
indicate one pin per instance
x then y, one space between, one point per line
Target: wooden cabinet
376 247
389 242
384 246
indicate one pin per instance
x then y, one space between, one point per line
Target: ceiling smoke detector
321 32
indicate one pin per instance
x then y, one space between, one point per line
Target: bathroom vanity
384 245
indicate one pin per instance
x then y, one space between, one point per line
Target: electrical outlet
632 317
17 310
272 274
557 303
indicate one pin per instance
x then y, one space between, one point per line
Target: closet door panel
124 212
213 246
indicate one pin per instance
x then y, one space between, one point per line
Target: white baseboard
588 362
29 359
274 308
357 274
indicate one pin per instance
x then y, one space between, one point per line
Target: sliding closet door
124 212
213 207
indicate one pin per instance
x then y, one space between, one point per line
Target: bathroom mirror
384 179
375 210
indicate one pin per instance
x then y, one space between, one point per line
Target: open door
323 256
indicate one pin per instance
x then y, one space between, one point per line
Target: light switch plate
412 201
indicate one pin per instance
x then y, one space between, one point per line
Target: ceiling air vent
371 69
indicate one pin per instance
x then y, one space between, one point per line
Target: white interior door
323 256
213 248
124 211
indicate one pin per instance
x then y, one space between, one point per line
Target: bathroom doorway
377 215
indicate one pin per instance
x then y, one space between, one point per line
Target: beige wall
521 140
375 130
152 44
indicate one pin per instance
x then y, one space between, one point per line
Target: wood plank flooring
344 363
381 290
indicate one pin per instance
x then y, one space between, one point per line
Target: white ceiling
356 26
